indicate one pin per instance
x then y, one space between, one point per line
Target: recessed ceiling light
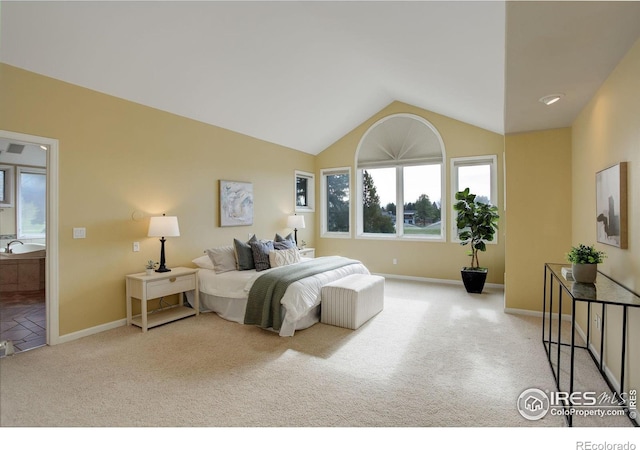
551 99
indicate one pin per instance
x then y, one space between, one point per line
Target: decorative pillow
244 254
204 262
261 250
288 237
279 258
284 245
223 258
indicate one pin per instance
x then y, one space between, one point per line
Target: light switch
79 233
136 246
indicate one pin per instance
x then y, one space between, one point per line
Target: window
31 205
304 192
379 200
6 186
400 163
335 202
478 173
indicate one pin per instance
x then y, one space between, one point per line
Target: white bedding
226 294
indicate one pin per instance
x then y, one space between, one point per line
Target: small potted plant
477 223
150 266
584 261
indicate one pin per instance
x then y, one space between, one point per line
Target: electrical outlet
136 246
395 261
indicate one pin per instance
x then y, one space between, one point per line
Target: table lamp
162 226
296 222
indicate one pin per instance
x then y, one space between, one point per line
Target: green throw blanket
263 305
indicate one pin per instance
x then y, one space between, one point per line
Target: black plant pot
474 280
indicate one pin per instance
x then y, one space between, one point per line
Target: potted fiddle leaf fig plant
477 224
584 261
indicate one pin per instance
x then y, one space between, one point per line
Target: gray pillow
284 245
287 238
223 258
261 250
244 254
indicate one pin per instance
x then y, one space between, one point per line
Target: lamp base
162 267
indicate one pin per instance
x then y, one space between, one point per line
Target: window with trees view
400 180
304 192
478 173
336 208
409 211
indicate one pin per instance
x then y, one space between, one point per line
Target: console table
605 292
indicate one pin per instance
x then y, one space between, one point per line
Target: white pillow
204 262
223 258
279 258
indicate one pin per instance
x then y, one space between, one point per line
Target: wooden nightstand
308 252
147 287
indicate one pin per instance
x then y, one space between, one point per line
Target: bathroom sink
24 251
26 248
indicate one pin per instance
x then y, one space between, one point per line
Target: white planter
584 273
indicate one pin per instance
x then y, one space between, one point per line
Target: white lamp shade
163 226
295 222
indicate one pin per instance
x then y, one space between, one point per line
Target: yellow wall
441 260
117 157
538 213
607 132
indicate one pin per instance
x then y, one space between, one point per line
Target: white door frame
51 261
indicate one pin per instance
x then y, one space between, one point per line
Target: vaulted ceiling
302 74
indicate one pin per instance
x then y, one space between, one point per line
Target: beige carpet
435 357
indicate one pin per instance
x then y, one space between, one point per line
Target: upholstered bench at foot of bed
351 301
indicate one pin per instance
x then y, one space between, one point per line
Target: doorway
23 311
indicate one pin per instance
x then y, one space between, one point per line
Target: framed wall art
611 205
236 203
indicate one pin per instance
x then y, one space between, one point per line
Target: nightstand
147 287
308 252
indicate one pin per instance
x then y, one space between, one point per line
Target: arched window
400 180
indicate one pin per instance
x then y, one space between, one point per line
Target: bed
232 294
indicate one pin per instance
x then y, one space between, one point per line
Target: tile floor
23 319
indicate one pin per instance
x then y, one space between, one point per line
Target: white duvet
300 298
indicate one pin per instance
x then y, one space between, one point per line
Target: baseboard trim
528 312
433 280
90 331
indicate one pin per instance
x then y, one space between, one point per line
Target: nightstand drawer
308 252
172 285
